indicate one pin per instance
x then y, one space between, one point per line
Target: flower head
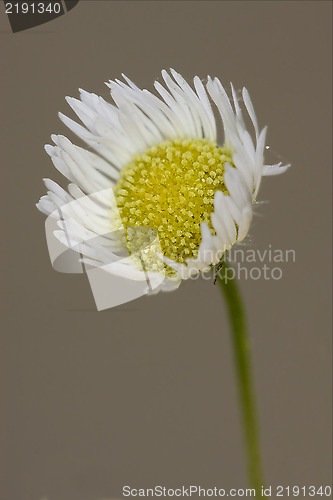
161 157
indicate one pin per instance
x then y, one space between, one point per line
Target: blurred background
145 393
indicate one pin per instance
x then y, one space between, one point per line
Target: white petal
250 110
277 169
245 223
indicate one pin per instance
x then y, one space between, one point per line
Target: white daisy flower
161 158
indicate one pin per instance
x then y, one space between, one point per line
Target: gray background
145 394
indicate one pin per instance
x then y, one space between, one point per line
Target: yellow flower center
171 188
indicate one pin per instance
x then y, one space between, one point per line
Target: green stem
241 347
